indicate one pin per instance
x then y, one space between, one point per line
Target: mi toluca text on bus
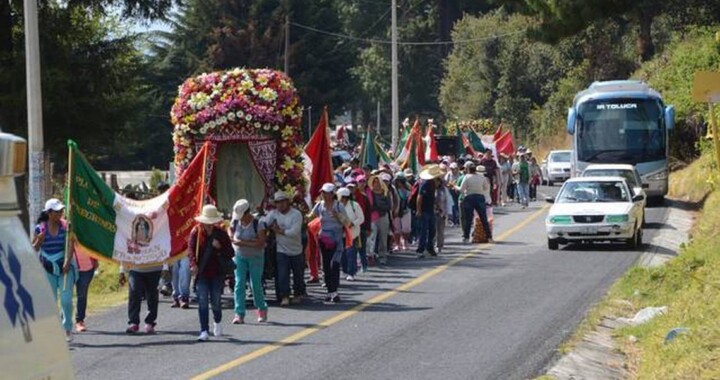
622 122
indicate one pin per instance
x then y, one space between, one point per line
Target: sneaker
80 326
313 280
204 337
383 261
432 252
350 278
238 320
166 291
466 241
421 255
184 304
262 316
285 302
297 300
68 336
175 304
132 329
149 329
217 329
335 299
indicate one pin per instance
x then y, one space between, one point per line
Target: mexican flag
110 227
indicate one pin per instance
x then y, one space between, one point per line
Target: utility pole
309 122
394 91
287 45
36 169
377 129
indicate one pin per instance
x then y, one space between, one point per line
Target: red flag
498 134
505 144
318 150
431 152
186 198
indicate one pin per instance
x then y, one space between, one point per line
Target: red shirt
364 203
196 258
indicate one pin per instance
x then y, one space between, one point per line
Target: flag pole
202 195
68 211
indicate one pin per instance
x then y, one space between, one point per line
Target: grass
105 291
689 286
691 183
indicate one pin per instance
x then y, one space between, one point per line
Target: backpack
412 199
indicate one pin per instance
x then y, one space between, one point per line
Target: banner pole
202 194
68 212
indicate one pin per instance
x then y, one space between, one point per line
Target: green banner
92 215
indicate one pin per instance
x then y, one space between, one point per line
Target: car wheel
553 244
636 241
644 223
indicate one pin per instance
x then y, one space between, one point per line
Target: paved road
474 313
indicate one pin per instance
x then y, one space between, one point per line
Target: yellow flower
289 189
287 132
280 175
288 164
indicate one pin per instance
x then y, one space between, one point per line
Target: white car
590 209
556 167
626 171
32 343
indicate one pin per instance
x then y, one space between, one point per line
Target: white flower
257 125
276 128
212 124
266 127
248 117
240 114
231 116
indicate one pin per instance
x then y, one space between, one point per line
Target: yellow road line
358 308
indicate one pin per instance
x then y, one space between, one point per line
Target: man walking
425 209
286 221
475 190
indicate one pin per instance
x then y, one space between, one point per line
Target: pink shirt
85 263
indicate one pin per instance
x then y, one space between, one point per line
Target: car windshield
627 174
621 131
560 157
593 192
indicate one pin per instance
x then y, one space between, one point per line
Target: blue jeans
427 232
285 265
209 290
254 265
81 287
523 193
475 203
64 285
349 262
181 279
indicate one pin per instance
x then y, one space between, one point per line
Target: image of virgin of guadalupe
142 230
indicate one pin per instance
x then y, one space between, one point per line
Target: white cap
386 177
240 208
343 192
280 196
328 188
54 204
453 165
469 164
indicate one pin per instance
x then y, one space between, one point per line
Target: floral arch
259 107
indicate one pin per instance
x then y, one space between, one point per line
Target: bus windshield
620 131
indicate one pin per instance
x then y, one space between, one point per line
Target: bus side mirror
572 116
670 118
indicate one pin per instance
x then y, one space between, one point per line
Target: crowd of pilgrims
357 223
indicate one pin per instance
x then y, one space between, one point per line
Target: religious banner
108 226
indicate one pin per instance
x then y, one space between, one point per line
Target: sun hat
240 208
431 172
343 192
469 164
481 169
328 188
54 204
409 173
280 196
209 215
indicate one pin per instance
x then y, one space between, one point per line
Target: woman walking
381 206
402 221
60 266
86 272
248 238
333 220
356 218
207 246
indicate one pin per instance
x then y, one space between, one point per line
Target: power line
406 43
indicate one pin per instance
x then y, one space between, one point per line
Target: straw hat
431 172
209 215
409 173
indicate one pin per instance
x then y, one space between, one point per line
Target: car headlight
659 176
617 218
560 219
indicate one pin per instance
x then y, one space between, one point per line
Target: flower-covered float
252 119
